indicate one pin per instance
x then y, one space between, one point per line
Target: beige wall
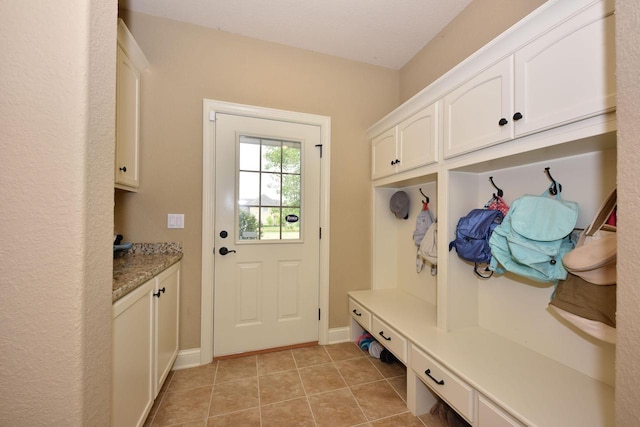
189 63
57 112
628 347
475 26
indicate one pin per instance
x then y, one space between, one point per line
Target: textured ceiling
380 32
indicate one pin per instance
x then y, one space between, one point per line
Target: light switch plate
175 221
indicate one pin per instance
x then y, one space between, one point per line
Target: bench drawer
390 338
452 389
360 314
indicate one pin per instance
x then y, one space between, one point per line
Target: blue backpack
472 237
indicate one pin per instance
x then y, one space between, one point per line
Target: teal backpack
534 236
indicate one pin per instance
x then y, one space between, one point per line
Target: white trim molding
187 359
209 109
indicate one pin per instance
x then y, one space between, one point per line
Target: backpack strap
475 270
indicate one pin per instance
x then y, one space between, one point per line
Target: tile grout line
213 384
258 384
295 362
164 394
367 421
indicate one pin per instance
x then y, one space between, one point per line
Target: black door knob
517 116
223 251
503 121
123 169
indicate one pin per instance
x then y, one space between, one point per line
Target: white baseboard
191 358
187 359
338 335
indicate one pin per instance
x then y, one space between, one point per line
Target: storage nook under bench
540 95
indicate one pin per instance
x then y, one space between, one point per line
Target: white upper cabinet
409 145
476 113
568 73
383 154
564 75
130 64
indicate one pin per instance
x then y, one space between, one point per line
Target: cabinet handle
395 162
162 290
517 116
382 335
123 169
503 121
356 313
428 372
223 251
157 294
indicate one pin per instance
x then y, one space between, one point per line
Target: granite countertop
141 263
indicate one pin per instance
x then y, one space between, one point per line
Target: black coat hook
555 186
426 198
500 192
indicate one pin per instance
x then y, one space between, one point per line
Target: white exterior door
267 226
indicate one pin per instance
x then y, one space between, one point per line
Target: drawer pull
356 312
428 372
386 338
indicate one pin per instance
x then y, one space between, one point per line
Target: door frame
209 110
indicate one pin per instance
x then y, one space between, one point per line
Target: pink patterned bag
497 204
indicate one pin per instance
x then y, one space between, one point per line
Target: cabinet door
489 415
167 304
418 139
568 74
127 122
383 154
473 112
132 387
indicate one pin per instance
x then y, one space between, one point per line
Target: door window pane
271 155
249 153
290 223
269 189
290 190
291 157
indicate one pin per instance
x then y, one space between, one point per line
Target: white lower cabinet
390 338
458 394
132 381
360 314
167 300
490 415
145 345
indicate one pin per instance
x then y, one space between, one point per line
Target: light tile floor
337 385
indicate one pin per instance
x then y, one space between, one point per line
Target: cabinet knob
395 162
517 116
503 121
123 169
